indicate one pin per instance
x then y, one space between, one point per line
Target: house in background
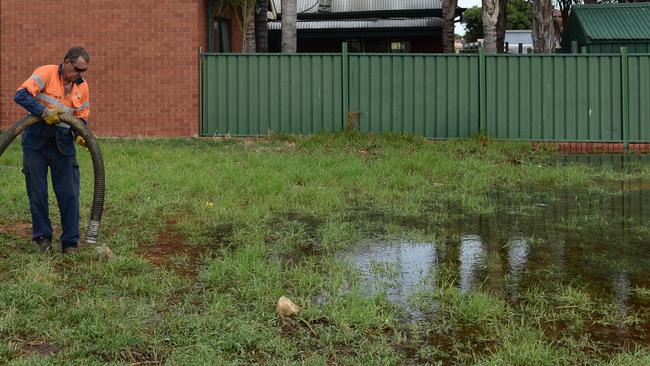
605 28
386 26
518 41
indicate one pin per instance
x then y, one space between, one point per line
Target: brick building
144 58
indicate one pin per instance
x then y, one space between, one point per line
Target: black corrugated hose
96 155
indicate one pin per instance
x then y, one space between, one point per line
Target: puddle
591 236
599 242
397 268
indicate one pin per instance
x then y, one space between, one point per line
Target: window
220 35
400 46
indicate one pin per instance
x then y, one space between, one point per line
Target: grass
283 208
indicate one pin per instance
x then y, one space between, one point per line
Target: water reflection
472 258
601 241
536 238
621 286
517 257
397 268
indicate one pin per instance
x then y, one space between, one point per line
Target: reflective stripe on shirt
38 81
49 99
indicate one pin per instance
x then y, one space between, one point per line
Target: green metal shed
605 28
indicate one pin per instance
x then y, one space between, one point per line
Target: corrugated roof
364 23
519 36
349 6
614 21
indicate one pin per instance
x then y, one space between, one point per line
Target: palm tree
289 36
490 18
262 26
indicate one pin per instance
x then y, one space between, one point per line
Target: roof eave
375 14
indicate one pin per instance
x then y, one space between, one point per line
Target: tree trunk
543 32
289 17
448 34
261 26
490 16
501 26
250 34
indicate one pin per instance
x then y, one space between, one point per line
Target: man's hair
75 52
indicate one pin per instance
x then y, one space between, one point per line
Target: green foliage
473 20
519 15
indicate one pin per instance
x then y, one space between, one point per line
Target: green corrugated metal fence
639 98
251 94
562 97
632 47
435 97
558 97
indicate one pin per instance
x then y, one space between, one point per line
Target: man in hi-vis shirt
50 91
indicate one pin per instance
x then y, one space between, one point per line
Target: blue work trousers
65 181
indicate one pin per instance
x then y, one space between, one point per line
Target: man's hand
81 141
51 116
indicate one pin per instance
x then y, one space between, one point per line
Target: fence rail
562 97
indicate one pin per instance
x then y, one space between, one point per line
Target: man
51 91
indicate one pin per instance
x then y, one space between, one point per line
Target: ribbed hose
96 155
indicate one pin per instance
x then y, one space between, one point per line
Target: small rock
105 253
286 307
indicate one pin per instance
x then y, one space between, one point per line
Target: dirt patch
171 250
20 230
38 348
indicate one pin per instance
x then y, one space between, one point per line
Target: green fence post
345 83
625 120
481 90
201 125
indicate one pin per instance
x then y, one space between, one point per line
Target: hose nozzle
93 232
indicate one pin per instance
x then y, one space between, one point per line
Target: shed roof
613 21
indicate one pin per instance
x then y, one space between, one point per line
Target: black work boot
69 249
44 244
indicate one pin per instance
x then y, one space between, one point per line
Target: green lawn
207 235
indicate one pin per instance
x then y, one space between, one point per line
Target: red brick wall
143 75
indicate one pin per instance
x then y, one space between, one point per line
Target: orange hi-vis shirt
46 85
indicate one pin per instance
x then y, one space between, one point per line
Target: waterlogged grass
242 223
